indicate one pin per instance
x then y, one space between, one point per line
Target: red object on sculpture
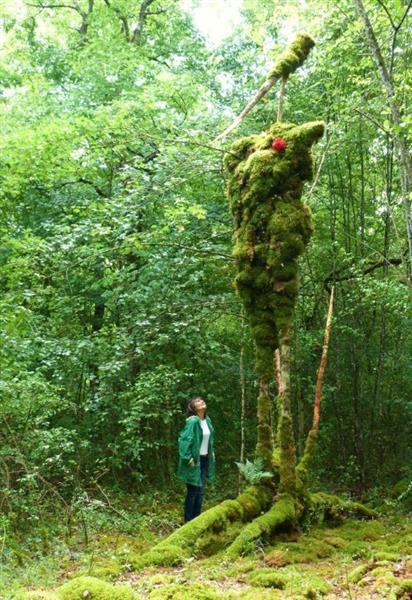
279 144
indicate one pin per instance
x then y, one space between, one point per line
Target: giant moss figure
271 230
272 227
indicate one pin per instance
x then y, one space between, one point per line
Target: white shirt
206 435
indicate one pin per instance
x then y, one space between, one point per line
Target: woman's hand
191 462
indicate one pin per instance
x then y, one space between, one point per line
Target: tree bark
287 470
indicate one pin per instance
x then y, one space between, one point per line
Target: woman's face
199 405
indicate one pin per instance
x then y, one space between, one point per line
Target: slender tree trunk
287 469
396 112
323 362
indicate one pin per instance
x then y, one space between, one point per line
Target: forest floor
355 560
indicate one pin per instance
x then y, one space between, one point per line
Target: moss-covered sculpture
271 230
271 227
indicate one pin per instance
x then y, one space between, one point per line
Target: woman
196 456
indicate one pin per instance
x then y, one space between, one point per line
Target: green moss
271 225
103 569
304 582
386 556
293 57
211 543
309 551
185 592
359 572
335 541
187 540
315 592
277 558
41 595
334 509
316 588
94 589
357 549
240 567
305 462
380 571
282 514
264 594
267 578
405 589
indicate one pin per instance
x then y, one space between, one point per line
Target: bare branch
372 120
122 18
281 98
369 269
385 8
137 33
405 14
191 248
315 181
44 6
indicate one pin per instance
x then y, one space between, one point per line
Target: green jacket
190 440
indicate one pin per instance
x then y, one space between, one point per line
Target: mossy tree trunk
264 445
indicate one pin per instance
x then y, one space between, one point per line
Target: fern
252 471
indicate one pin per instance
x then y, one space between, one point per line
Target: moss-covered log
280 515
183 543
334 509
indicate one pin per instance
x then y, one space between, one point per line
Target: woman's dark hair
191 412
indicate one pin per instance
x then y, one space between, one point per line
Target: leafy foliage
253 472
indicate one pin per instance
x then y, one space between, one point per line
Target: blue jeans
194 494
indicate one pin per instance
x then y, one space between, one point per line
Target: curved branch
377 265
